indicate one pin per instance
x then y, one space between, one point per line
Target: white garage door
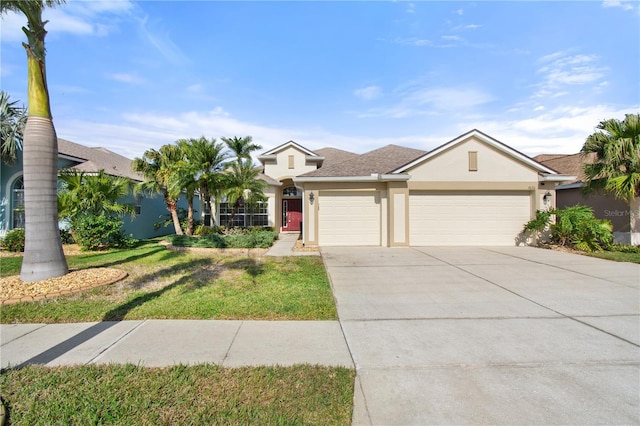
469 218
349 218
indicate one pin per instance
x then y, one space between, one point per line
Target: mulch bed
14 290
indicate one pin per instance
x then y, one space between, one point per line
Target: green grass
182 285
616 256
196 395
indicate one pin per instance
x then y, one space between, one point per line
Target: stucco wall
453 165
280 168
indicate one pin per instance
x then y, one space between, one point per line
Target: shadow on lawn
117 314
188 269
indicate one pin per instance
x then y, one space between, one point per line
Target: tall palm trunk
190 224
43 255
172 206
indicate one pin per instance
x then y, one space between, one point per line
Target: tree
43 255
95 194
157 167
243 185
205 160
616 145
12 121
241 147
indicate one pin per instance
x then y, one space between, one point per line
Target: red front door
291 215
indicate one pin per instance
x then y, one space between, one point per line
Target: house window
17 204
245 215
473 161
291 161
291 191
138 204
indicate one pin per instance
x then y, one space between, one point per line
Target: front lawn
164 284
616 256
179 395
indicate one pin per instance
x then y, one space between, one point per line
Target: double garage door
467 218
436 218
349 218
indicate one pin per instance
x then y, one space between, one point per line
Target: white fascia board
555 178
486 139
267 157
371 178
313 158
279 148
569 186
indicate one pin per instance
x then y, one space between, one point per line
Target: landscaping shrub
575 226
13 241
625 248
578 227
255 239
93 232
66 237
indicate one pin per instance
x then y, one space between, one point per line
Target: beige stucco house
473 190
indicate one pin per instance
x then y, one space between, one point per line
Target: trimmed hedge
253 239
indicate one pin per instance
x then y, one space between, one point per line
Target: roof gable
484 138
286 145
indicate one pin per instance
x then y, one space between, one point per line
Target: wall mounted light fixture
546 199
312 197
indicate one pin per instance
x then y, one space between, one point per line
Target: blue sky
133 75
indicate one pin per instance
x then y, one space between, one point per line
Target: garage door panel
477 218
349 218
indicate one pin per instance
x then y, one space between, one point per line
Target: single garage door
350 218
467 218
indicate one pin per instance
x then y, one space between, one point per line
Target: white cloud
126 78
626 5
413 41
562 130
368 93
562 69
74 17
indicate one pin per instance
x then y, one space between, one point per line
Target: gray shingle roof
334 155
567 164
382 160
92 160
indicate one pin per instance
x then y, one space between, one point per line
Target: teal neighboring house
150 209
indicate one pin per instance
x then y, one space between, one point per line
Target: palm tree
157 167
183 178
241 147
206 160
43 255
94 194
12 122
243 185
616 146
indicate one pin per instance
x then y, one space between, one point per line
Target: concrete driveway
504 335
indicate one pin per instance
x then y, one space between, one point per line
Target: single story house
78 157
472 190
625 217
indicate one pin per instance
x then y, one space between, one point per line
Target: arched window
17 204
291 191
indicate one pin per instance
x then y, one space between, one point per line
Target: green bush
575 226
625 248
14 240
578 227
203 230
66 237
93 232
257 239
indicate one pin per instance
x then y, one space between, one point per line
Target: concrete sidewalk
156 343
284 247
